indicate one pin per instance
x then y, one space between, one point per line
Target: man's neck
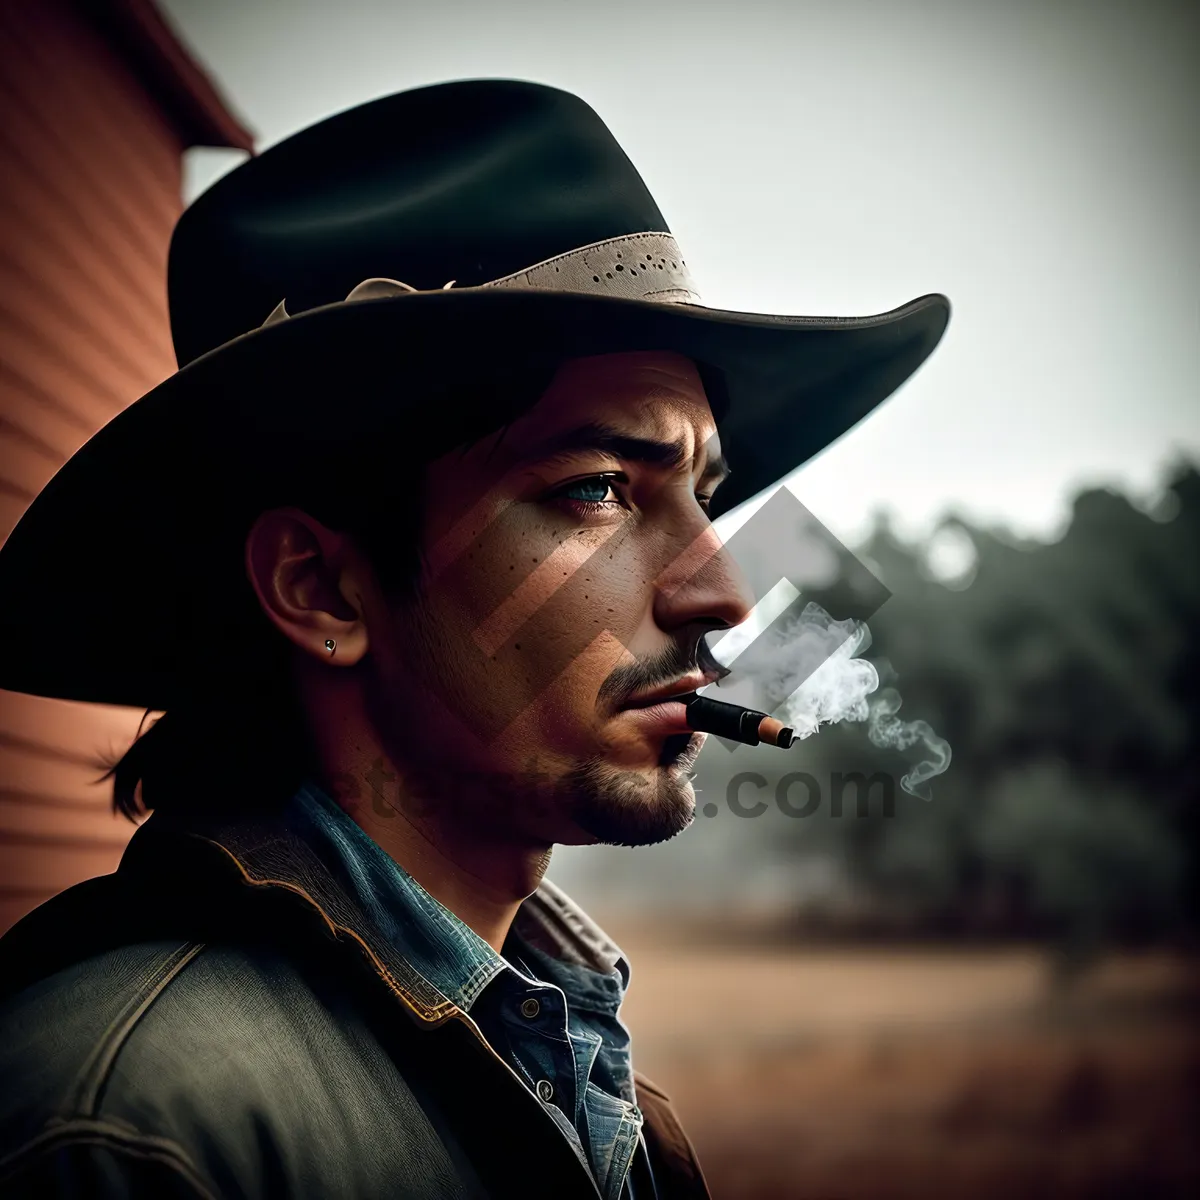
479 872
481 879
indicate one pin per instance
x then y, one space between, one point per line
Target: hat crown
467 181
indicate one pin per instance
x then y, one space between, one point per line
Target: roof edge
166 68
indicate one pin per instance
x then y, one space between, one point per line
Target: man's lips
662 710
667 716
686 686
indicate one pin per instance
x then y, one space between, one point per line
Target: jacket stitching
99 1065
430 1013
89 1132
479 979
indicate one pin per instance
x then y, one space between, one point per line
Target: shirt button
530 1008
545 1090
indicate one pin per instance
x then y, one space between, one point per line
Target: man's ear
310 581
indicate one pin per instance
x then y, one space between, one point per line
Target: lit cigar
745 725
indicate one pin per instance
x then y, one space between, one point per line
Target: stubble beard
628 808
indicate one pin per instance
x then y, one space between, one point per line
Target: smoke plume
805 670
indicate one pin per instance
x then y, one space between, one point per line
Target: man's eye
594 490
592 493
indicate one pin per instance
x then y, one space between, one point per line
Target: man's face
569 563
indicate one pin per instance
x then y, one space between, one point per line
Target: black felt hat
429 254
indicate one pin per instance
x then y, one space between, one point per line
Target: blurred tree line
1065 677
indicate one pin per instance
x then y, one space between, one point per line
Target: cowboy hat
399 272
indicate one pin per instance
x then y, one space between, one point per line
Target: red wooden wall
95 112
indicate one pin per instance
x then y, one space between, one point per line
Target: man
413 551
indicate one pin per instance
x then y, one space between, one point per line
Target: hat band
634 266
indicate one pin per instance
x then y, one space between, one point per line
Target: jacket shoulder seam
84 1097
123 1141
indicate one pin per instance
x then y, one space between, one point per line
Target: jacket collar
236 861
274 858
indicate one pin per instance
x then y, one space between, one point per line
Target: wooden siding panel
99 345
144 147
32 353
24 472
11 509
61 779
41 413
71 238
35 821
92 175
37 150
27 415
38 870
94 142
68 727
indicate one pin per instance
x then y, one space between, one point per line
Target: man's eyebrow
598 435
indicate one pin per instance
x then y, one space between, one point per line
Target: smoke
805 670
834 690
888 732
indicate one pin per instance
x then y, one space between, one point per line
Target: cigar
745 725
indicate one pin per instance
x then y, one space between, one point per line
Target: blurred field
885 1073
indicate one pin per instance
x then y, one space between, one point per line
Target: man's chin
635 808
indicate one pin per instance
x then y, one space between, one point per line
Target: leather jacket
219 1018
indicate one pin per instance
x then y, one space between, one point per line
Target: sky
1036 161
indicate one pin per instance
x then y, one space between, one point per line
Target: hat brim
93 577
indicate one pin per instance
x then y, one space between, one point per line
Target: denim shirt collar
569 949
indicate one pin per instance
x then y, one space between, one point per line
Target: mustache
625 681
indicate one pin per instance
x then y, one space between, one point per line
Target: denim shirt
548 1005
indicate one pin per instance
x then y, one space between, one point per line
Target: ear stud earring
330 644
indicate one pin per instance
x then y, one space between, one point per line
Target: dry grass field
890 1074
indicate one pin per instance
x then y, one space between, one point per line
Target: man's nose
701 583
